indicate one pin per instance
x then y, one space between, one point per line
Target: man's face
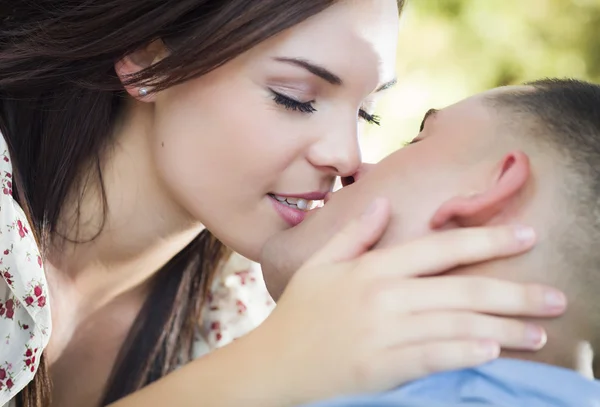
445 160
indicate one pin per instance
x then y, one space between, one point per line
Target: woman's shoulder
237 303
24 310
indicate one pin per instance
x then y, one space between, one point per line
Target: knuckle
532 296
362 371
466 325
431 358
475 290
375 295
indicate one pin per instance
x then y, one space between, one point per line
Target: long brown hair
59 100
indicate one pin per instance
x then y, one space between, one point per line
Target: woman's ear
136 62
479 208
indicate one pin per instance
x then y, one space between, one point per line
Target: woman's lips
293 216
294 208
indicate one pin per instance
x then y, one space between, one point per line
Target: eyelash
307 107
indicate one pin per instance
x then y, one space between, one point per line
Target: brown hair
59 99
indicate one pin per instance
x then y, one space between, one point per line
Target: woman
133 125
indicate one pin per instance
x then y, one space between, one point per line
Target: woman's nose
362 170
338 154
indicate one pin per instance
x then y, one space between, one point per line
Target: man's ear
137 61
478 209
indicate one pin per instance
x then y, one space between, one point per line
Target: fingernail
370 209
555 300
524 234
535 335
488 349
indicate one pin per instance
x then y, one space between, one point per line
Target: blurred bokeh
450 49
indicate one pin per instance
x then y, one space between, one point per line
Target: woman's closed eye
308 107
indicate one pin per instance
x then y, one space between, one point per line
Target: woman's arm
244 373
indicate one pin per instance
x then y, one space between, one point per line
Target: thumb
358 236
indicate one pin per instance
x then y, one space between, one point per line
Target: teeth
299 203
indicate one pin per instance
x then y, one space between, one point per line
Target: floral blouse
237 303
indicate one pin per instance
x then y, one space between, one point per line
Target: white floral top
238 301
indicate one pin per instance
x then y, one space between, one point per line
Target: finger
406 363
462 325
356 237
473 293
446 250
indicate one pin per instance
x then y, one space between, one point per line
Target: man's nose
362 170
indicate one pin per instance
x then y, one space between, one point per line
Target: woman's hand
351 321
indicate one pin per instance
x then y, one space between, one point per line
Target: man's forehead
478 101
475 110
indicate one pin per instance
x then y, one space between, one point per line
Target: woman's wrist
246 372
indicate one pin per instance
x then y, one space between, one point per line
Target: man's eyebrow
313 68
387 85
429 113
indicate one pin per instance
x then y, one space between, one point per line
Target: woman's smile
293 208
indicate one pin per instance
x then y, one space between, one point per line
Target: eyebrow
325 73
428 114
387 85
315 69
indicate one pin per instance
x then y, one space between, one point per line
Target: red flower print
219 336
215 326
2 374
241 307
8 175
21 230
245 276
29 300
29 353
6 159
9 384
10 313
10 304
6 252
25 326
37 290
41 301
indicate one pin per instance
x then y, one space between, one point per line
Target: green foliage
450 49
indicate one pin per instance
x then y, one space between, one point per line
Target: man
524 155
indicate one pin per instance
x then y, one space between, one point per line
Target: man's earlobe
480 208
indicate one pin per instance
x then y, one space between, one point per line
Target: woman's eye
292 104
307 107
369 118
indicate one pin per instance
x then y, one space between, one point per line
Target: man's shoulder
505 382
369 401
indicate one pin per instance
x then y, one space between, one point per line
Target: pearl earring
143 92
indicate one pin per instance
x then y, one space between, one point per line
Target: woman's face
281 120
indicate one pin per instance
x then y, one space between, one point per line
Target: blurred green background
450 49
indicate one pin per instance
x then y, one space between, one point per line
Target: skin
206 154
466 168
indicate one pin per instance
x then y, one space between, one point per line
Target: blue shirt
501 383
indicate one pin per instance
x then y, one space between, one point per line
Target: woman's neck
142 229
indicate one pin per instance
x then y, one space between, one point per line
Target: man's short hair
562 118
